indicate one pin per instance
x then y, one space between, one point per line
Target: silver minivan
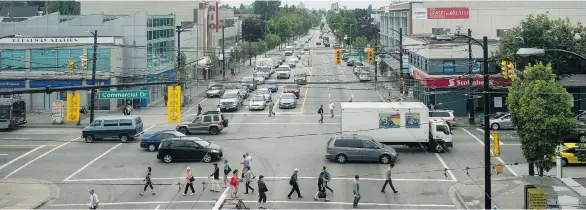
353 147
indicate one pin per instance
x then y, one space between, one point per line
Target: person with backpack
189 177
262 189
227 171
148 181
327 179
294 184
321 190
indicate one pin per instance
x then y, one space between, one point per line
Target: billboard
72 107
174 104
441 13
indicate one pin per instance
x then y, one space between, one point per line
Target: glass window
150 22
110 122
103 59
150 35
369 144
190 144
197 119
13 59
97 123
207 118
178 143
42 59
449 66
125 122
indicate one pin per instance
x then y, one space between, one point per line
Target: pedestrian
332 108
262 189
294 184
148 181
216 180
389 180
219 109
248 178
356 191
227 171
232 72
327 179
320 111
249 158
189 184
199 109
234 183
94 201
271 108
166 98
245 163
321 190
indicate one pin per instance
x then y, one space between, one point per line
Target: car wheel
438 148
385 159
564 162
214 130
207 158
89 139
183 130
341 158
152 148
495 126
123 137
582 138
167 158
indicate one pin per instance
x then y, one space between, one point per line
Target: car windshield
263 91
288 96
247 79
215 88
230 95
203 143
443 128
258 98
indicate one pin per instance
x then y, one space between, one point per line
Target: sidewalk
26 193
389 89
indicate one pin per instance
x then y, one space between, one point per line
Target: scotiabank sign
451 82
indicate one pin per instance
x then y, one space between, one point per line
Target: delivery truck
396 123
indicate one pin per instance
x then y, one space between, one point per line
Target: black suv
188 148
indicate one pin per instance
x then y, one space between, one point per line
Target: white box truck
396 123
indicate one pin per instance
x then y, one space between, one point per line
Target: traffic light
504 70
70 66
511 69
370 54
84 64
496 151
338 56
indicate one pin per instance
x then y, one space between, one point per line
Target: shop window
150 22
149 35
13 60
64 55
103 59
449 66
43 59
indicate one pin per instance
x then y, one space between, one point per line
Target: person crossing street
331 106
320 111
294 184
271 108
262 190
216 180
248 178
148 181
389 180
327 179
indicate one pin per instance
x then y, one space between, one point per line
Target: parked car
502 122
295 89
445 115
122 127
215 91
352 147
231 101
212 123
288 101
151 142
569 154
258 102
189 148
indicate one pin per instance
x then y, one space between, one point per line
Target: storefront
158 91
449 92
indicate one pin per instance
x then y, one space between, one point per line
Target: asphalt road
292 139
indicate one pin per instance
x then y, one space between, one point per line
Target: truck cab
441 134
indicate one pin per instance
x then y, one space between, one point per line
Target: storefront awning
449 81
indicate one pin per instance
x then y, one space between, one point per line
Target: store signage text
45 40
448 13
463 82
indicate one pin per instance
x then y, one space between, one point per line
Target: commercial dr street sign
124 94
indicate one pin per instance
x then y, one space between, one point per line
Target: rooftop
431 48
382 105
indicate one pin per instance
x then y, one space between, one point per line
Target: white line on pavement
19 157
266 178
220 201
16 138
277 123
158 207
446 166
492 138
498 158
3 154
39 157
252 201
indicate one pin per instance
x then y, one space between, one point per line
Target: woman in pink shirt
189 184
234 183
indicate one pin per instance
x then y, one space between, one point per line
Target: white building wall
184 10
488 16
189 44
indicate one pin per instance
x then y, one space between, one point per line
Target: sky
317 4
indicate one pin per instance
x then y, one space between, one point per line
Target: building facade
131 48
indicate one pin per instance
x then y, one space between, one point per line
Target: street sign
405 61
124 94
72 107
360 56
476 66
57 111
174 104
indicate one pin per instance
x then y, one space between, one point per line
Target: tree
266 9
541 113
253 29
581 152
64 7
541 31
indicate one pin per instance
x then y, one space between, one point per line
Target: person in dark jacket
327 179
262 189
295 185
199 109
148 181
320 111
320 187
216 180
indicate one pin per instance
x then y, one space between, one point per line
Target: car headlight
214 151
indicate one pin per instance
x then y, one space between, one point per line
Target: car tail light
329 149
454 119
221 123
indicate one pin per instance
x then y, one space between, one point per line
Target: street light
487 168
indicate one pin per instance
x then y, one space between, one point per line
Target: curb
54 194
456 198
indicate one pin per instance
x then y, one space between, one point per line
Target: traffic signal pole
470 81
93 91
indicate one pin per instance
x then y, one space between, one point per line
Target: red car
295 89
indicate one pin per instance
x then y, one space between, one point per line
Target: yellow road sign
72 107
174 104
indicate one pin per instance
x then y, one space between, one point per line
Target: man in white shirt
332 108
93 200
249 158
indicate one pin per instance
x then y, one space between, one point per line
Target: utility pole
401 51
470 81
487 164
223 53
375 62
93 92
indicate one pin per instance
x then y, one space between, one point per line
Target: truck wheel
183 130
341 158
214 130
438 148
385 159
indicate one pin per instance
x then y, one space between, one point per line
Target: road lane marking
498 158
16 138
220 201
102 155
266 178
253 201
306 89
329 96
39 157
277 123
491 138
21 156
446 167
158 207
3 154
26 145
276 104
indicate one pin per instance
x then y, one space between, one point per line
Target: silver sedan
501 122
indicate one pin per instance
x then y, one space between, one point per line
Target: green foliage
353 24
288 23
266 9
540 31
64 7
581 152
541 113
253 29
360 43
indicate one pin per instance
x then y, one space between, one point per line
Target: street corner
27 193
